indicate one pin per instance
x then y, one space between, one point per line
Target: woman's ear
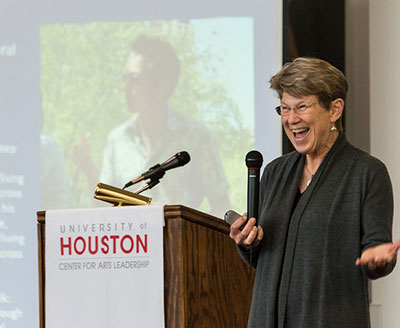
337 107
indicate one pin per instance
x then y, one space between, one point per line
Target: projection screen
100 91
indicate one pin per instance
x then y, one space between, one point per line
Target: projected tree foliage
83 95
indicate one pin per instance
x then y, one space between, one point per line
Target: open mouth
300 132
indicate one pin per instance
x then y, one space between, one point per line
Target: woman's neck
314 160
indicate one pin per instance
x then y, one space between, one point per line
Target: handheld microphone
157 171
254 162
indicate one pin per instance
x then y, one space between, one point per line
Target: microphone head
183 157
178 159
254 159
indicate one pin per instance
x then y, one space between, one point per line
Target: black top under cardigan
305 265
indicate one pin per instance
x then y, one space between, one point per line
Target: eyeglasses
285 110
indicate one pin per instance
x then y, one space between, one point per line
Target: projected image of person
54 180
156 131
54 177
326 211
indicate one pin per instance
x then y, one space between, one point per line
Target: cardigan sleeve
249 255
377 217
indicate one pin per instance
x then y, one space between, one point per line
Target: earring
333 128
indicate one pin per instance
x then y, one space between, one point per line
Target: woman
326 212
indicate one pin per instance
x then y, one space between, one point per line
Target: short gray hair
311 76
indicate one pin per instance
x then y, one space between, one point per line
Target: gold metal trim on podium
119 197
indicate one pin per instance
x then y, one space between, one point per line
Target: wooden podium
206 284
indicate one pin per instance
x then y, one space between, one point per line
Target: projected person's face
142 90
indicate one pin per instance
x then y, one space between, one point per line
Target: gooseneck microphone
254 162
156 172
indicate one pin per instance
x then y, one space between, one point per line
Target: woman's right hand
250 235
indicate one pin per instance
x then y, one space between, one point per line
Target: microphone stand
148 185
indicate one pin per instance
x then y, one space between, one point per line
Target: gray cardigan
305 265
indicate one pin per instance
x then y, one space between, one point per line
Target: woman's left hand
379 256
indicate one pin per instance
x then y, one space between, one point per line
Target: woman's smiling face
308 127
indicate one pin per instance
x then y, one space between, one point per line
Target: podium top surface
172 212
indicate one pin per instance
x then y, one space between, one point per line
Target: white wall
384 56
357 112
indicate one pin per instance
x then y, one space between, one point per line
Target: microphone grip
253 187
